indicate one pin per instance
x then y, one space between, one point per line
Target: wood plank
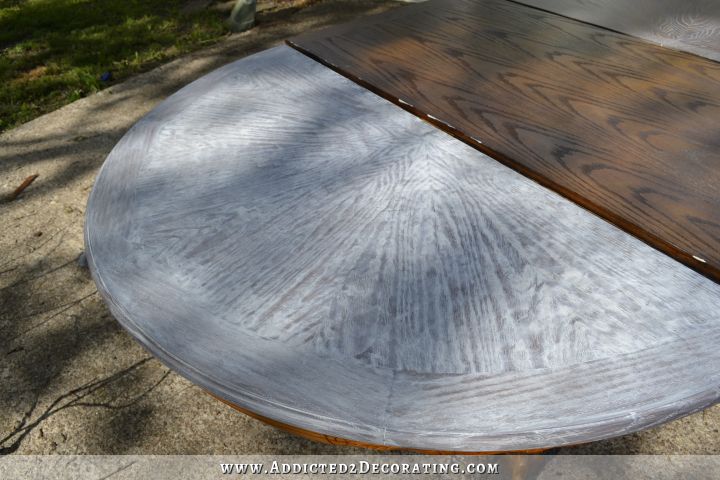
688 25
625 128
315 255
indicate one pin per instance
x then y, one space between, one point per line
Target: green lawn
54 51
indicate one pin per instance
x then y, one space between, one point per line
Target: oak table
315 255
626 128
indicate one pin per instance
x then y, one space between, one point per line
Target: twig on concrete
26 183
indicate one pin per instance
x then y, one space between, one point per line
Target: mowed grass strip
53 52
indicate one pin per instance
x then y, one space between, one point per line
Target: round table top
314 254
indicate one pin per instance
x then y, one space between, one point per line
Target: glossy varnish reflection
628 129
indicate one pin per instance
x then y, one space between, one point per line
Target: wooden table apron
311 253
625 128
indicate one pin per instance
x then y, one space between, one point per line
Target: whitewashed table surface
310 252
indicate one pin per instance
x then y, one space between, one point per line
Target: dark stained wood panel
688 25
628 129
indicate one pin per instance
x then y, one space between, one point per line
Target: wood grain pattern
313 254
622 127
687 25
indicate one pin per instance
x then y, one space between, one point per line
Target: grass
53 52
